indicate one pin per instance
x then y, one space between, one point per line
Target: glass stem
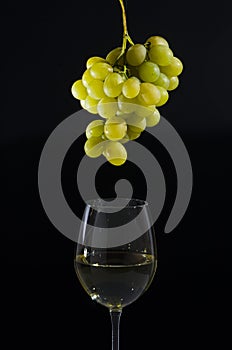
115 321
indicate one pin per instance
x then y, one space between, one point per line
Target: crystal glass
115 258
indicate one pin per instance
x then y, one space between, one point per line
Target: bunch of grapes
125 89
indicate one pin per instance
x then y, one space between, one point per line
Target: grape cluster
125 89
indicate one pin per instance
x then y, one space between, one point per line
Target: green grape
126 105
161 55
174 68
91 105
107 107
100 70
115 128
113 55
149 94
125 139
149 71
95 128
94 147
131 87
82 103
92 60
173 83
136 54
137 124
95 89
131 134
121 114
144 111
164 96
113 85
163 81
87 78
127 116
157 40
104 138
115 153
153 119
78 90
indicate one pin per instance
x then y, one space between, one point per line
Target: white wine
115 278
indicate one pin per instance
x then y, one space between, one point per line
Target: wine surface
115 279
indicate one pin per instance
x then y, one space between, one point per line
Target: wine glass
115 258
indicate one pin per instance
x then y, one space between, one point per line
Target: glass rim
98 203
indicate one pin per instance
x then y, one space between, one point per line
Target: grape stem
126 36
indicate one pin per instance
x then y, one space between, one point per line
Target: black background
44 48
